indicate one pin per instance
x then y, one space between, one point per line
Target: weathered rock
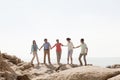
83 73
6 72
12 59
115 78
114 66
65 67
23 77
25 66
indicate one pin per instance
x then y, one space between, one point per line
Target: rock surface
6 72
13 68
115 66
115 78
83 73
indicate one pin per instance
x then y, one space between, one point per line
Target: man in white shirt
84 51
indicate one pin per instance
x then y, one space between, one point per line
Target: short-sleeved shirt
46 45
58 47
83 48
70 46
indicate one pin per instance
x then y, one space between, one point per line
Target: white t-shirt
83 48
70 46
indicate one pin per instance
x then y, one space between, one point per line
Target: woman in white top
84 51
70 50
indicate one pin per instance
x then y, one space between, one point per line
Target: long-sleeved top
34 47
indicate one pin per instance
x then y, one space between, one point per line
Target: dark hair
82 40
68 39
45 39
57 39
34 42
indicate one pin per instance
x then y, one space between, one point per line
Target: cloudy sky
97 21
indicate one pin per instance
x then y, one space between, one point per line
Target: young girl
34 49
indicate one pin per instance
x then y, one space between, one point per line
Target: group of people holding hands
46 45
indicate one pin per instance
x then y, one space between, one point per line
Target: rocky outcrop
83 73
115 66
23 77
115 78
12 59
24 66
6 72
13 68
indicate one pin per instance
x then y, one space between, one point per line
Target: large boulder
6 72
115 78
12 59
83 73
7 75
24 66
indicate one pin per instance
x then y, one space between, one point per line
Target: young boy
84 51
58 50
70 50
47 48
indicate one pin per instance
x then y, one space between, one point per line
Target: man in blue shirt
47 48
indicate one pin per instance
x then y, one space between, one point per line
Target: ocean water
99 61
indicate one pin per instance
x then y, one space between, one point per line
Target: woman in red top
58 50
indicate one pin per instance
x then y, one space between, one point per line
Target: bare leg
85 60
80 60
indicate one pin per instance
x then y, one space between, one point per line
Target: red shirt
58 47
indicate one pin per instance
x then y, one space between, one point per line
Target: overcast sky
97 21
